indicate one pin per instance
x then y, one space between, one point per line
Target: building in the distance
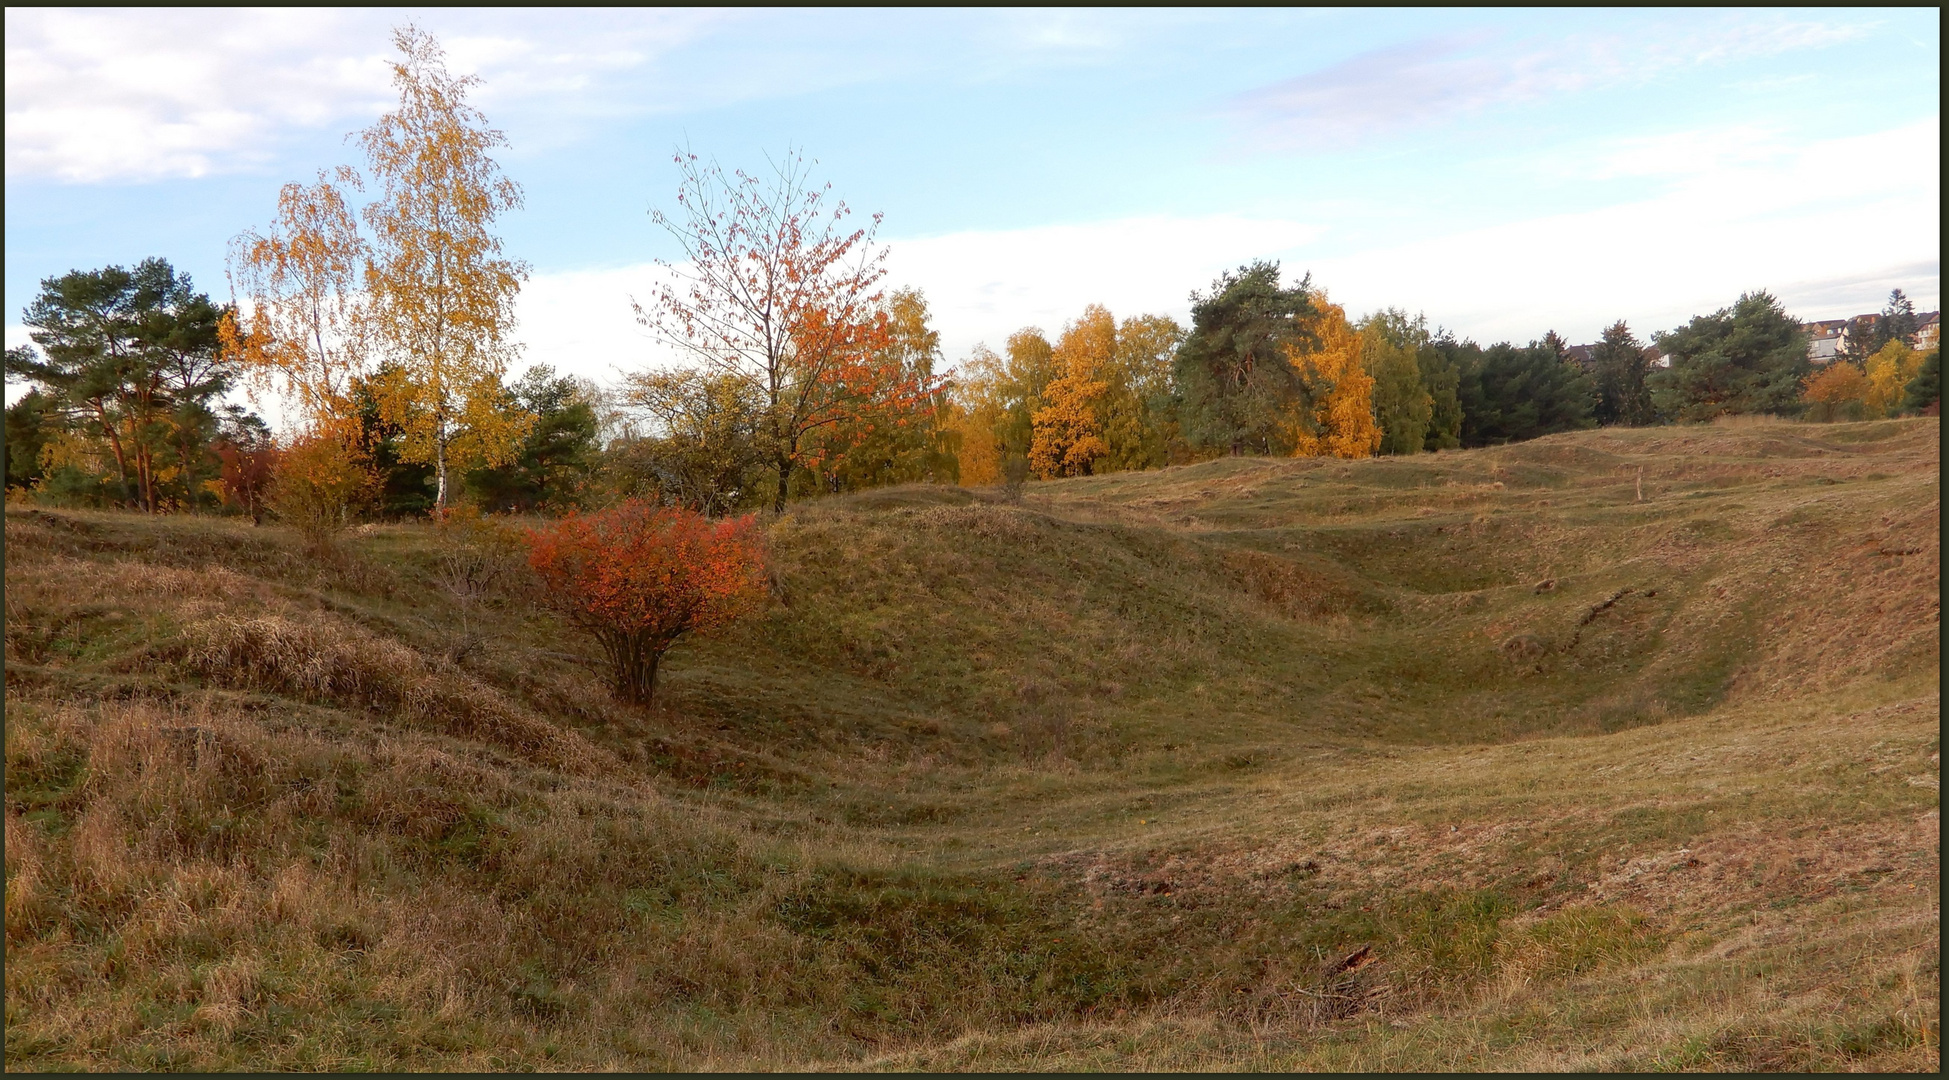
1862 326
1824 339
1828 338
1928 335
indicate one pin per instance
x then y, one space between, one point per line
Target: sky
1504 172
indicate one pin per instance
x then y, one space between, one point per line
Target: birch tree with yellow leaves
442 294
301 326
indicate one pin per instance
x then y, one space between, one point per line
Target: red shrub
638 577
245 481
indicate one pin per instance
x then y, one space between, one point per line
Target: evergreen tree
30 424
130 357
1442 378
1897 323
1236 385
1619 368
1924 392
1510 394
555 458
1747 358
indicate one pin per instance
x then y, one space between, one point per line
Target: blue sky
1506 172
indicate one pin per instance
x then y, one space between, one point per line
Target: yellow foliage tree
976 411
1068 432
1096 413
1000 395
442 294
302 326
1139 435
1342 418
319 478
1889 371
1838 391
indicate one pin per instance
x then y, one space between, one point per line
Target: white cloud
103 94
580 322
1741 209
1807 222
1395 87
980 286
99 94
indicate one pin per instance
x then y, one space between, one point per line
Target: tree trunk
189 479
634 659
145 470
646 677
784 476
440 471
115 445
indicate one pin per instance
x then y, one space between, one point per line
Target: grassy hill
1609 750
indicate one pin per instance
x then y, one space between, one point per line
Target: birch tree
301 325
442 293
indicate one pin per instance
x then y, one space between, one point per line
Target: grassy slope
1111 779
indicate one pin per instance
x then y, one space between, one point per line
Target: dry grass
1461 761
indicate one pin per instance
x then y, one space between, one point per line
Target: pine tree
1747 358
1235 381
1619 368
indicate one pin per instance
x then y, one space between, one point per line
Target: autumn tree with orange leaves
1342 418
1106 408
1068 432
774 290
638 577
891 438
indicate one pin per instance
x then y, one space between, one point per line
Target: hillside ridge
1120 776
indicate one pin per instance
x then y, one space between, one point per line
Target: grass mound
1468 760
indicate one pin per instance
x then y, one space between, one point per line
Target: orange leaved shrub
638 577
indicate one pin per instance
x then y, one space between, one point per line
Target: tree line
386 331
